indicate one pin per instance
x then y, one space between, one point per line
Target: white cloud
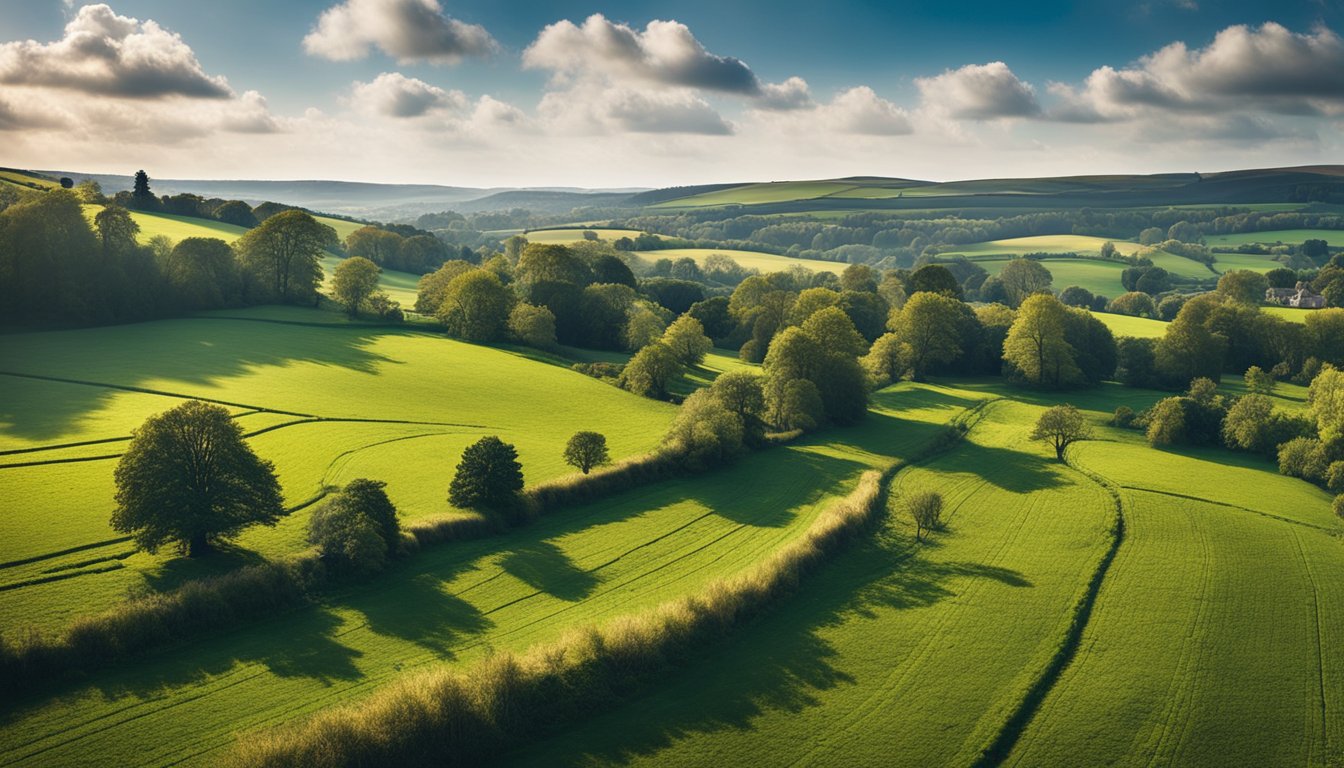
105 54
1267 69
618 109
861 111
407 30
392 94
979 92
790 94
665 53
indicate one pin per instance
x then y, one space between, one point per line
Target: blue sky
500 97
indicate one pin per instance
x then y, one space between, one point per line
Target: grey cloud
665 52
790 94
408 30
109 55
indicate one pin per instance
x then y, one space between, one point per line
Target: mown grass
1214 638
459 602
319 375
897 654
1138 327
765 262
566 236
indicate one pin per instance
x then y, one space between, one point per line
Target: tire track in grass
1320 642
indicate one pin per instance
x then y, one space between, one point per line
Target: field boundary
998 750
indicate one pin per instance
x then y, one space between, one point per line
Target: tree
1166 422
926 510
1259 381
1134 304
203 273
835 332
377 245
927 329
116 230
1244 286
283 254
188 477
687 340
432 287
488 476
533 326
586 450
476 306
357 529
1108 250
237 213
90 192
714 316
1281 277
355 281
142 197
933 278
650 370
1036 347
704 432
1061 426
1076 296
1022 278
1189 349
643 326
1325 398
741 392
1254 424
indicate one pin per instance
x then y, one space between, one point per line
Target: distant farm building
1300 296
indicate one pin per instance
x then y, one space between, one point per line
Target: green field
1020 246
1138 327
1226 262
1334 237
1211 641
1288 313
765 262
564 236
460 601
753 194
28 182
444 394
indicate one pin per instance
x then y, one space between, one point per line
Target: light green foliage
1023 277
1061 426
1326 399
835 332
476 306
650 370
687 340
355 281
643 327
927 330
283 255
1134 304
532 325
1243 286
1036 347
1259 380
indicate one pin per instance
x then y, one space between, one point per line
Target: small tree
687 340
650 370
489 476
357 529
586 450
1061 426
926 509
533 325
187 476
355 281
1259 381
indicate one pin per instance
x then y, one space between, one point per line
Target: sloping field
765 262
341 401
1138 327
898 653
457 602
1097 276
1226 262
753 194
1288 313
401 287
1334 237
1216 634
564 236
1020 246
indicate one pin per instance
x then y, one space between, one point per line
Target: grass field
1020 246
438 395
1226 262
455 603
765 262
752 194
563 236
28 182
1288 313
1210 643
1138 327
898 654
1334 237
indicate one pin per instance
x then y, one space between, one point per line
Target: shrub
348 539
1334 477
1123 417
1166 422
704 433
533 325
1303 457
1338 505
926 509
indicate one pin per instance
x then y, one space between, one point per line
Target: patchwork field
458 602
765 262
341 401
1334 237
563 236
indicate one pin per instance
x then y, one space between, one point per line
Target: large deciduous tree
283 255
927 330
188 477
489 476
1021 278
1036 347
476 306
1061 426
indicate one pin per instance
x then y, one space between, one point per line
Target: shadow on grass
423 613
174 572
545 567
781 662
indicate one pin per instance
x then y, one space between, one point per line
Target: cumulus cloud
407 30
860 110
1268 69
665 52
979 92
790 94
392 94
105 54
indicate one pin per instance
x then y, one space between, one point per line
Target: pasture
337 401
1126 325
765 262
573 235
455 603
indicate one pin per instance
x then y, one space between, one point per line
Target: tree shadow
544 567
422 613
185 352
780 662
178 569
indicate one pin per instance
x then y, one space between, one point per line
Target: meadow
1137 327
1208 642
765 262
1334 237
573 235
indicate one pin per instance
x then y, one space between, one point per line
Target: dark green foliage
236 212
1136 362
705 433
188 477
610 269
675 295
347 539
488 477
1076 296
1254 424
586 450
933 278
281 256
714 317
204 274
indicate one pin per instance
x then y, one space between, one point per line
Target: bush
1303 457
705 433
1338 506
1166 422
1334 477
1123 417
347 539
532 325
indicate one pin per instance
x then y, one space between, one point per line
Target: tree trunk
198 545
1059 451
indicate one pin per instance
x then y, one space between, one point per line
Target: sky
491 93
